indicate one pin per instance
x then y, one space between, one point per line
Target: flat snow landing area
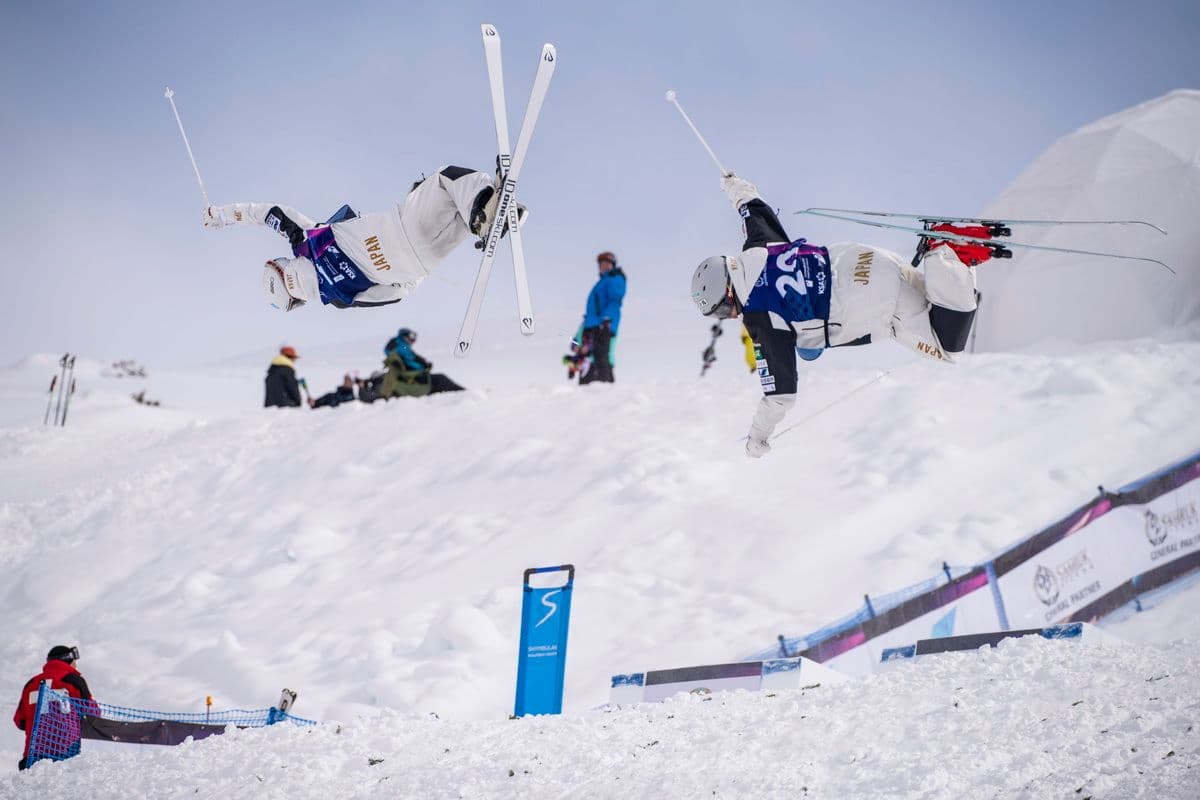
1030 719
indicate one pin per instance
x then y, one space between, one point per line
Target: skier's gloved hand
738 190
215 217
757 448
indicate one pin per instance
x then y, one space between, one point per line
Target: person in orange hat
282 389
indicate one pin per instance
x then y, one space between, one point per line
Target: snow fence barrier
1102 557
62 722
1071 632
654 686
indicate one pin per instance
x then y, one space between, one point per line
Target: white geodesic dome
1141 163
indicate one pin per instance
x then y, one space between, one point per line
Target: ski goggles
724 309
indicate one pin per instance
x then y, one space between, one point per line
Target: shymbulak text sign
542 659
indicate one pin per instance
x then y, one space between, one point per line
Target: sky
932 107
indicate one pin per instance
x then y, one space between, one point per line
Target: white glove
757 448
214 218
738 190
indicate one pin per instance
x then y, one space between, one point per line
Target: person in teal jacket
409 374
601 320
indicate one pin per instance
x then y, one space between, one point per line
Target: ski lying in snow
509 167
999 249
989 221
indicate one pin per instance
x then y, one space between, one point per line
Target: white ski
510 169
491 49
999 248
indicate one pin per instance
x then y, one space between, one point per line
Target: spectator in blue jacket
597 336
409 374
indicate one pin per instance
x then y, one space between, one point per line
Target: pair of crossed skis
508 165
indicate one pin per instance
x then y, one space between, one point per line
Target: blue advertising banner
542 658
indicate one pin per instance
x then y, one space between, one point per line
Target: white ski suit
872 293
372 259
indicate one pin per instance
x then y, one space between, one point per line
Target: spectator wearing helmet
61 671
282 389
602 320
797 300
410 374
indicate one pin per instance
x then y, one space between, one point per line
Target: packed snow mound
1032 718
370 556
1142 163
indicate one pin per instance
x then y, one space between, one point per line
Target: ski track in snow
370 557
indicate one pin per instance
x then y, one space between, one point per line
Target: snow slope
1032 719
370 556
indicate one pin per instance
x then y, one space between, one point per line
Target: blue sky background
924 106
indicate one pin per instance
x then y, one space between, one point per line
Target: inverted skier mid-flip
797 299
372 259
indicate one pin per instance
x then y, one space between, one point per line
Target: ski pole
71 390
830 405
61 386
50 398
692 125
170 95
67 404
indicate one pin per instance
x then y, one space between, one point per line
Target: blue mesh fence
61 722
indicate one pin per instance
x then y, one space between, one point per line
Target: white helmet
711 290
282 284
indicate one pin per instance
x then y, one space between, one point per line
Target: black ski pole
70 389
50 398
710 353
67 404
61 386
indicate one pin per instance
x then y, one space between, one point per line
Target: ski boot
970 253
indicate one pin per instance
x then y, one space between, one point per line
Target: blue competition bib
338 278
794 283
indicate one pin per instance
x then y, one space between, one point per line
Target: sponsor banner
542 657
1092 570
771 675
974 611
974 641
661 684
963 604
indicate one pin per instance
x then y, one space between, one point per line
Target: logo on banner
550 604
1045 585
1156 532
1056 585
1159 526
1179 522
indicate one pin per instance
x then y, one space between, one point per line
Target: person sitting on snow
797 299
342 394
409 374
372 259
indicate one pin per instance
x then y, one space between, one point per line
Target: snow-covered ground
370 557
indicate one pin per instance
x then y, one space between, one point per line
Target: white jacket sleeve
251 213
738 190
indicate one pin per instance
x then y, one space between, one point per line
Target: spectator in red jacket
60 670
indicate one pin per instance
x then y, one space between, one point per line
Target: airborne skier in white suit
799 299
372 259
